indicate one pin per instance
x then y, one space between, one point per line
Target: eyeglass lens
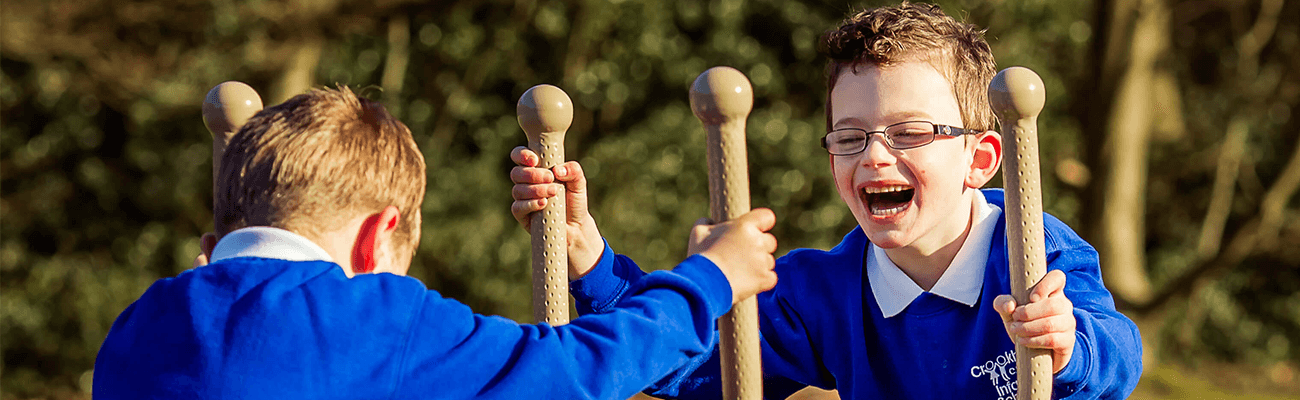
899 136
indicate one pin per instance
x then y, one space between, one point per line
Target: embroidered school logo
1001 372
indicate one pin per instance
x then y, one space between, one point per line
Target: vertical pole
722 98
1017 97
545 113
227 107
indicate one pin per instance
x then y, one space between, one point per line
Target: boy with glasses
913 303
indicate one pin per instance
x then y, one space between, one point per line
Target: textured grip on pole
227 107
545 113
722 98
1017 97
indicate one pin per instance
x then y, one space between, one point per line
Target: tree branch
1225 180
1259 230
399 54
1250 44
1264 226
300 73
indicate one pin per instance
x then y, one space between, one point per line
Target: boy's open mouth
888 200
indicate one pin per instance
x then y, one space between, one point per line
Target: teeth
879 209
885 212
886 189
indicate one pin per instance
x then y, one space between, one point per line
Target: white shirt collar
961 282
268 242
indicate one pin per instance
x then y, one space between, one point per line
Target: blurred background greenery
1169 141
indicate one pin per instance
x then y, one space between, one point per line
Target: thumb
699 232
761 218
575 187
1004 305
1052 283
571 174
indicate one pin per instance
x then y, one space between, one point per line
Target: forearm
608 283
790 362
700 376
663 320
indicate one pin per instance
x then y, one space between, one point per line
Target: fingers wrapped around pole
545 113
722 98
1017 97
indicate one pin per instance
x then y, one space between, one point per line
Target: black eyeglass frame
945 130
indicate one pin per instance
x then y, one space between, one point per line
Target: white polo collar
268 242
961 282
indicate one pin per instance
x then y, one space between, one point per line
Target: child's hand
742 249
1047 322
207 242
534 186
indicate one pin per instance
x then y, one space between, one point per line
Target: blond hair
318 160
916 32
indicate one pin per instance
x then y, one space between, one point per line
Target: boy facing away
318 214
913 302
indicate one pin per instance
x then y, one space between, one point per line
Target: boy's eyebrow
894 118
849 122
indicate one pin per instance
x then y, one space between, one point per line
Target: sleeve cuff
714 284
1077 371
600 288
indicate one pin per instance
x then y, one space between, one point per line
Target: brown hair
916 32
317 161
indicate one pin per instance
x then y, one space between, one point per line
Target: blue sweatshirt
259 328
822 327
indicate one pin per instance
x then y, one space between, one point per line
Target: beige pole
228 106
1017 97
545 113
722 98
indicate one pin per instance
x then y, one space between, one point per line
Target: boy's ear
373 240
986 160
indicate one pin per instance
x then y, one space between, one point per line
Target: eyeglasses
903 135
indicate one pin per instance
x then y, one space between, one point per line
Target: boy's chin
886 236
885 239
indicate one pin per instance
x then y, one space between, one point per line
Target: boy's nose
878 153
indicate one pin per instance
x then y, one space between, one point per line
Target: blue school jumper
822 326
263 328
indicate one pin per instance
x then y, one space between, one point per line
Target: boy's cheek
850 199
842 173
843 184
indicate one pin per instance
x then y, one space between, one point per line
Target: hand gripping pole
722 98
228 106
545 113
1017 97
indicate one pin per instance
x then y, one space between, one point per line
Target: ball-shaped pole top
1016 93
544 109
228 106
721 94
